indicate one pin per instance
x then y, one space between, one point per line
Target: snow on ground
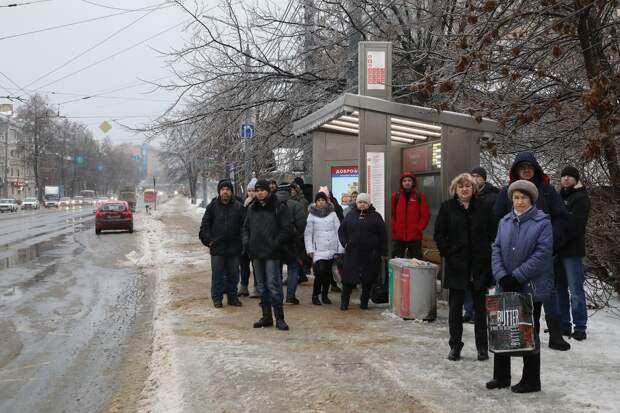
207 359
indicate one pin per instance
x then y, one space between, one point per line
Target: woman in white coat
321 241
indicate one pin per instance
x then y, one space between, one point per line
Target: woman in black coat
364 237
464 232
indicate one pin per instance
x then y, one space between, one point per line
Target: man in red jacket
410 215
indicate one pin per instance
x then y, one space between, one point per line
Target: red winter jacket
409 218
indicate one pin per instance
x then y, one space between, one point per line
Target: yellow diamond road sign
105 126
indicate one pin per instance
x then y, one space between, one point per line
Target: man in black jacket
295 249
221 232
266 231
487 192
570 257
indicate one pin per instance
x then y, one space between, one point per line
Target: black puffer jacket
299 216
220 229
464 238
488 194
364 237
577 202
266 229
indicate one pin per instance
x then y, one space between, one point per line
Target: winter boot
217 304
455 353
280 323
292 300
483 354
556 341
266 320
243 291
579 335
501 373
530 382
344 302
325 298
315 300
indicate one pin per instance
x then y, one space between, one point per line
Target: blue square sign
247 130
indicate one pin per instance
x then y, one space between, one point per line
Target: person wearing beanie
364 237
298 195
266 230
244 260
262 184
464 231
522 261
293 251
526 167
486 192
220 230
410 216
570 266
225 183
322 245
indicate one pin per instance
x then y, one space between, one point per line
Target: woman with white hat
364 237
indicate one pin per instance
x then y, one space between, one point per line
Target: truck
51 197
128 193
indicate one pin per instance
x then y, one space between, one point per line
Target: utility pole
245 135
5 188
355 36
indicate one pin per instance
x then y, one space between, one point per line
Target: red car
113 215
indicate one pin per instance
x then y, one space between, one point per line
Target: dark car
113 215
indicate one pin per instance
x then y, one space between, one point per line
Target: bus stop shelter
378 139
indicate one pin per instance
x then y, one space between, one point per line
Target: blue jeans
224 271
268 281
293 271
570 278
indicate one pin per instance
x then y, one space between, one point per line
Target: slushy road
74 313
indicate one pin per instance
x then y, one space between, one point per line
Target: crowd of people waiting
524 238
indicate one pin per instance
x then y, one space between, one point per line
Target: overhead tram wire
27 3
111 56
73 59
12 36
14 84
92 3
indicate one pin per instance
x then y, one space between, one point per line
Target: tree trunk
596 63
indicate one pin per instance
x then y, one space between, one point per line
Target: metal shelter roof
408 122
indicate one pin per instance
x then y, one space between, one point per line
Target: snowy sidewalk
207 359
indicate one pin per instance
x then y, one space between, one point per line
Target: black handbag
380 293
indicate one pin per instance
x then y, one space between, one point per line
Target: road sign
79 159
247 130
105 126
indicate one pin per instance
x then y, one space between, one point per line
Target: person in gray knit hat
526 187
522 261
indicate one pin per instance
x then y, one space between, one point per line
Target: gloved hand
510 284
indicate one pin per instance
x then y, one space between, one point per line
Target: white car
8 205
30 203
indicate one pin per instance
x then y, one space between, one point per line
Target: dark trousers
407 249
224 273
322 277
364 297
244 264
455 317
531 363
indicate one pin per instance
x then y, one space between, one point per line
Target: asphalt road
70 304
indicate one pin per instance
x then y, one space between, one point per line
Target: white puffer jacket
321 236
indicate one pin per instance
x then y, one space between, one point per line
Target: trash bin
414 286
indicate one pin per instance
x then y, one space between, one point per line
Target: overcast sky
26 58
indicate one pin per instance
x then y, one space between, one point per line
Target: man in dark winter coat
294 250
266 231
487 192
220 230
569 265
410 216
526 167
